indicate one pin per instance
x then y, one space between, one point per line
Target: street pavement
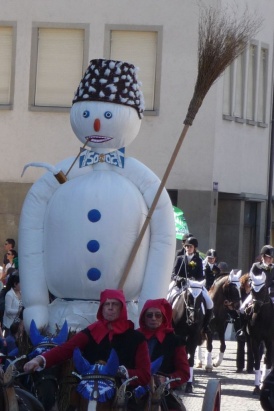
236 389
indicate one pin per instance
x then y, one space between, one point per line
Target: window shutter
262 85
138 48
228 84
59 66
251 83
239 89
6 36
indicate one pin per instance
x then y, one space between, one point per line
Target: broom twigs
221 39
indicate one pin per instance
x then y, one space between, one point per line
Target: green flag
180 223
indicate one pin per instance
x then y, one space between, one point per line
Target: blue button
93 246
94 274
94 215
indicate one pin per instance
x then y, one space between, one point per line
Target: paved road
236 389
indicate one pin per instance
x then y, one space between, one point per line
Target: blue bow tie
115 158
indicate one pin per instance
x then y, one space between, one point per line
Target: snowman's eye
86 114
108 114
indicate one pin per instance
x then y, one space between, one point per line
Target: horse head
231 289
259 294
44 343
45 384
194 300
97 381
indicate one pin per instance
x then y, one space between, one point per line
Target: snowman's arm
31 248
162 232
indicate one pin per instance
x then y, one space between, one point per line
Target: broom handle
152 208
76 158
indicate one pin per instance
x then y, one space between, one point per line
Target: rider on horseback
211 270
264 266
190 266
113 330
156 325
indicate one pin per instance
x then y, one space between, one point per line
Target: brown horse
97 385
226 297
13 398
44 384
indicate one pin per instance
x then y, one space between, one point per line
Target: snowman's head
108 105
106 126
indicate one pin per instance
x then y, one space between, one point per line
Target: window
58 61
140 47
239 86
227 101
251 82
245 87
262 87
7 57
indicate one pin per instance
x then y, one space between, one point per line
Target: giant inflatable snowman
75 238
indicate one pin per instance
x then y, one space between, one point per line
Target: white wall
214 149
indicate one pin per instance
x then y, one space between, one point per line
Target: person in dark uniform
211 270
190 266
264 266
243 339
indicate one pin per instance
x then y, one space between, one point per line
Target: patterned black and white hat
111 81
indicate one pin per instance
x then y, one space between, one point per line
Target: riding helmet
267 250
185 237
211 253
192 241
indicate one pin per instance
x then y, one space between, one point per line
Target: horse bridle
189 309
48 377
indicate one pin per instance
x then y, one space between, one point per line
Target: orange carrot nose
97 124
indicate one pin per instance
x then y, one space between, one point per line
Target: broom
221 39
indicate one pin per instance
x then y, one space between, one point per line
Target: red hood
102 327
118 295
166 327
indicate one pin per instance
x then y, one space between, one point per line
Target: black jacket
184 269
211 274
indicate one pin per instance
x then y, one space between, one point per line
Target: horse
98 384
13 398
44 385
100 392
267 392
188 316
260 327
226 297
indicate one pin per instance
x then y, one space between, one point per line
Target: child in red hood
156 325
112 330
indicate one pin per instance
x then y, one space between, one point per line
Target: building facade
221 175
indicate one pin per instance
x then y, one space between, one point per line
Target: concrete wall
200 211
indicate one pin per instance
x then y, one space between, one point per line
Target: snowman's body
75 238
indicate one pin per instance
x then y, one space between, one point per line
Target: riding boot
207 318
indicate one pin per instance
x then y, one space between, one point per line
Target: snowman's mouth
98 139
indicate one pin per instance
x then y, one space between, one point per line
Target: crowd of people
155 338
11 306
135 348
189 264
